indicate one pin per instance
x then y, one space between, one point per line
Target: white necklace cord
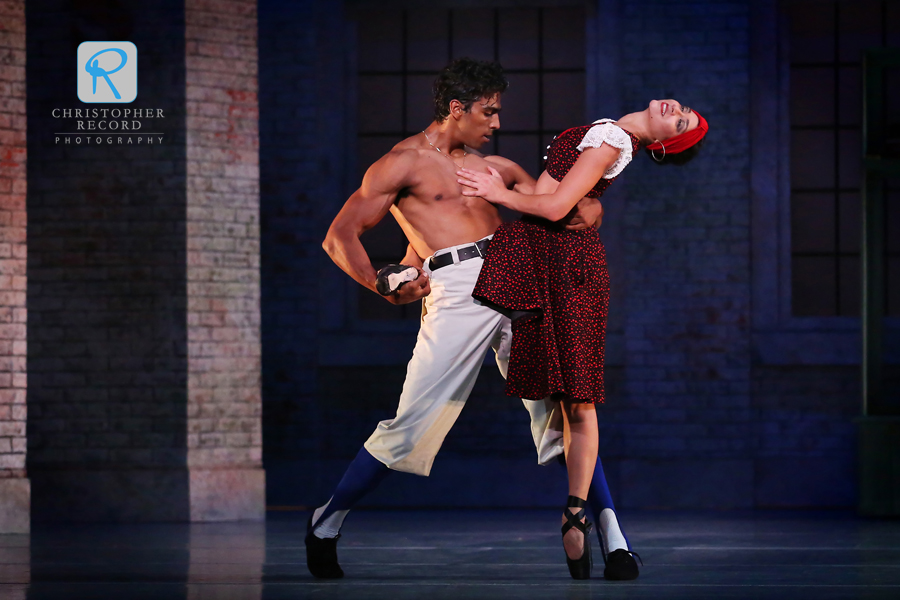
442 153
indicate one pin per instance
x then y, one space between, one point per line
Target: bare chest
436 183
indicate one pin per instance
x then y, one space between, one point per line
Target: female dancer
556 285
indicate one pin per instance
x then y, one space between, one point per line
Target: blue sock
361 477
599 499
599 496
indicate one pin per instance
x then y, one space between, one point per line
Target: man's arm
412 258
587 213
362 211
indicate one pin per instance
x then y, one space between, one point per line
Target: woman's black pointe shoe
579 568
321 555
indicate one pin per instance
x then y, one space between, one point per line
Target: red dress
560 277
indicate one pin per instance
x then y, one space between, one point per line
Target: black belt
474 251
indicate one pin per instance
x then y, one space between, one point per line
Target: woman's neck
638 123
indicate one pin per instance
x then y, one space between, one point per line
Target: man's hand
412 290
587 213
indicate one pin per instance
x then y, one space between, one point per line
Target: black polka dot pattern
535 265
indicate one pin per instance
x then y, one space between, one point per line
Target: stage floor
400 555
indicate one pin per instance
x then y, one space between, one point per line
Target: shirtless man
416 182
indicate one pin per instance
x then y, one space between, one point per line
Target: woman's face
669 118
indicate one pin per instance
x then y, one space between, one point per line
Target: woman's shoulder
607 131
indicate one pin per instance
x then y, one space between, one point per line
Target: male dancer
416 181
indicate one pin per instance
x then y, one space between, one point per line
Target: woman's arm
514 177
581 178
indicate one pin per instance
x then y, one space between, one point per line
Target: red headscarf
683 141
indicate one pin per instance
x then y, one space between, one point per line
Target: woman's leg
581 440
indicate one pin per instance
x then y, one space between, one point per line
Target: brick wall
107 277
291 216
807 439
304 152
143 280
14 488
686 251
224 398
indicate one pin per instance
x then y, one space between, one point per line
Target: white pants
454 337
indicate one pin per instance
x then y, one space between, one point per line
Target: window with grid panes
827 41
401 51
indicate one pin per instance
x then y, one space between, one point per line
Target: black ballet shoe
321 555
579 568
620 565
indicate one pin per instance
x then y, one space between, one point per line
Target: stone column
224 397
15 490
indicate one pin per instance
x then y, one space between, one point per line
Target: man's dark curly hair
466 80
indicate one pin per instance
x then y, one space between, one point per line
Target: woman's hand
488 186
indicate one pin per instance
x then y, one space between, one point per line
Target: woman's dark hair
466 80
677 159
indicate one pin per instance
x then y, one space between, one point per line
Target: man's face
479 123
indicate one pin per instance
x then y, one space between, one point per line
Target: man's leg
620 563
601 503
546 419
455 335
324 527
361 477
450 349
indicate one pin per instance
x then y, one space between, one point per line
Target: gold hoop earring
660 159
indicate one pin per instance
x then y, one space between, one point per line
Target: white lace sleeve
615 136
